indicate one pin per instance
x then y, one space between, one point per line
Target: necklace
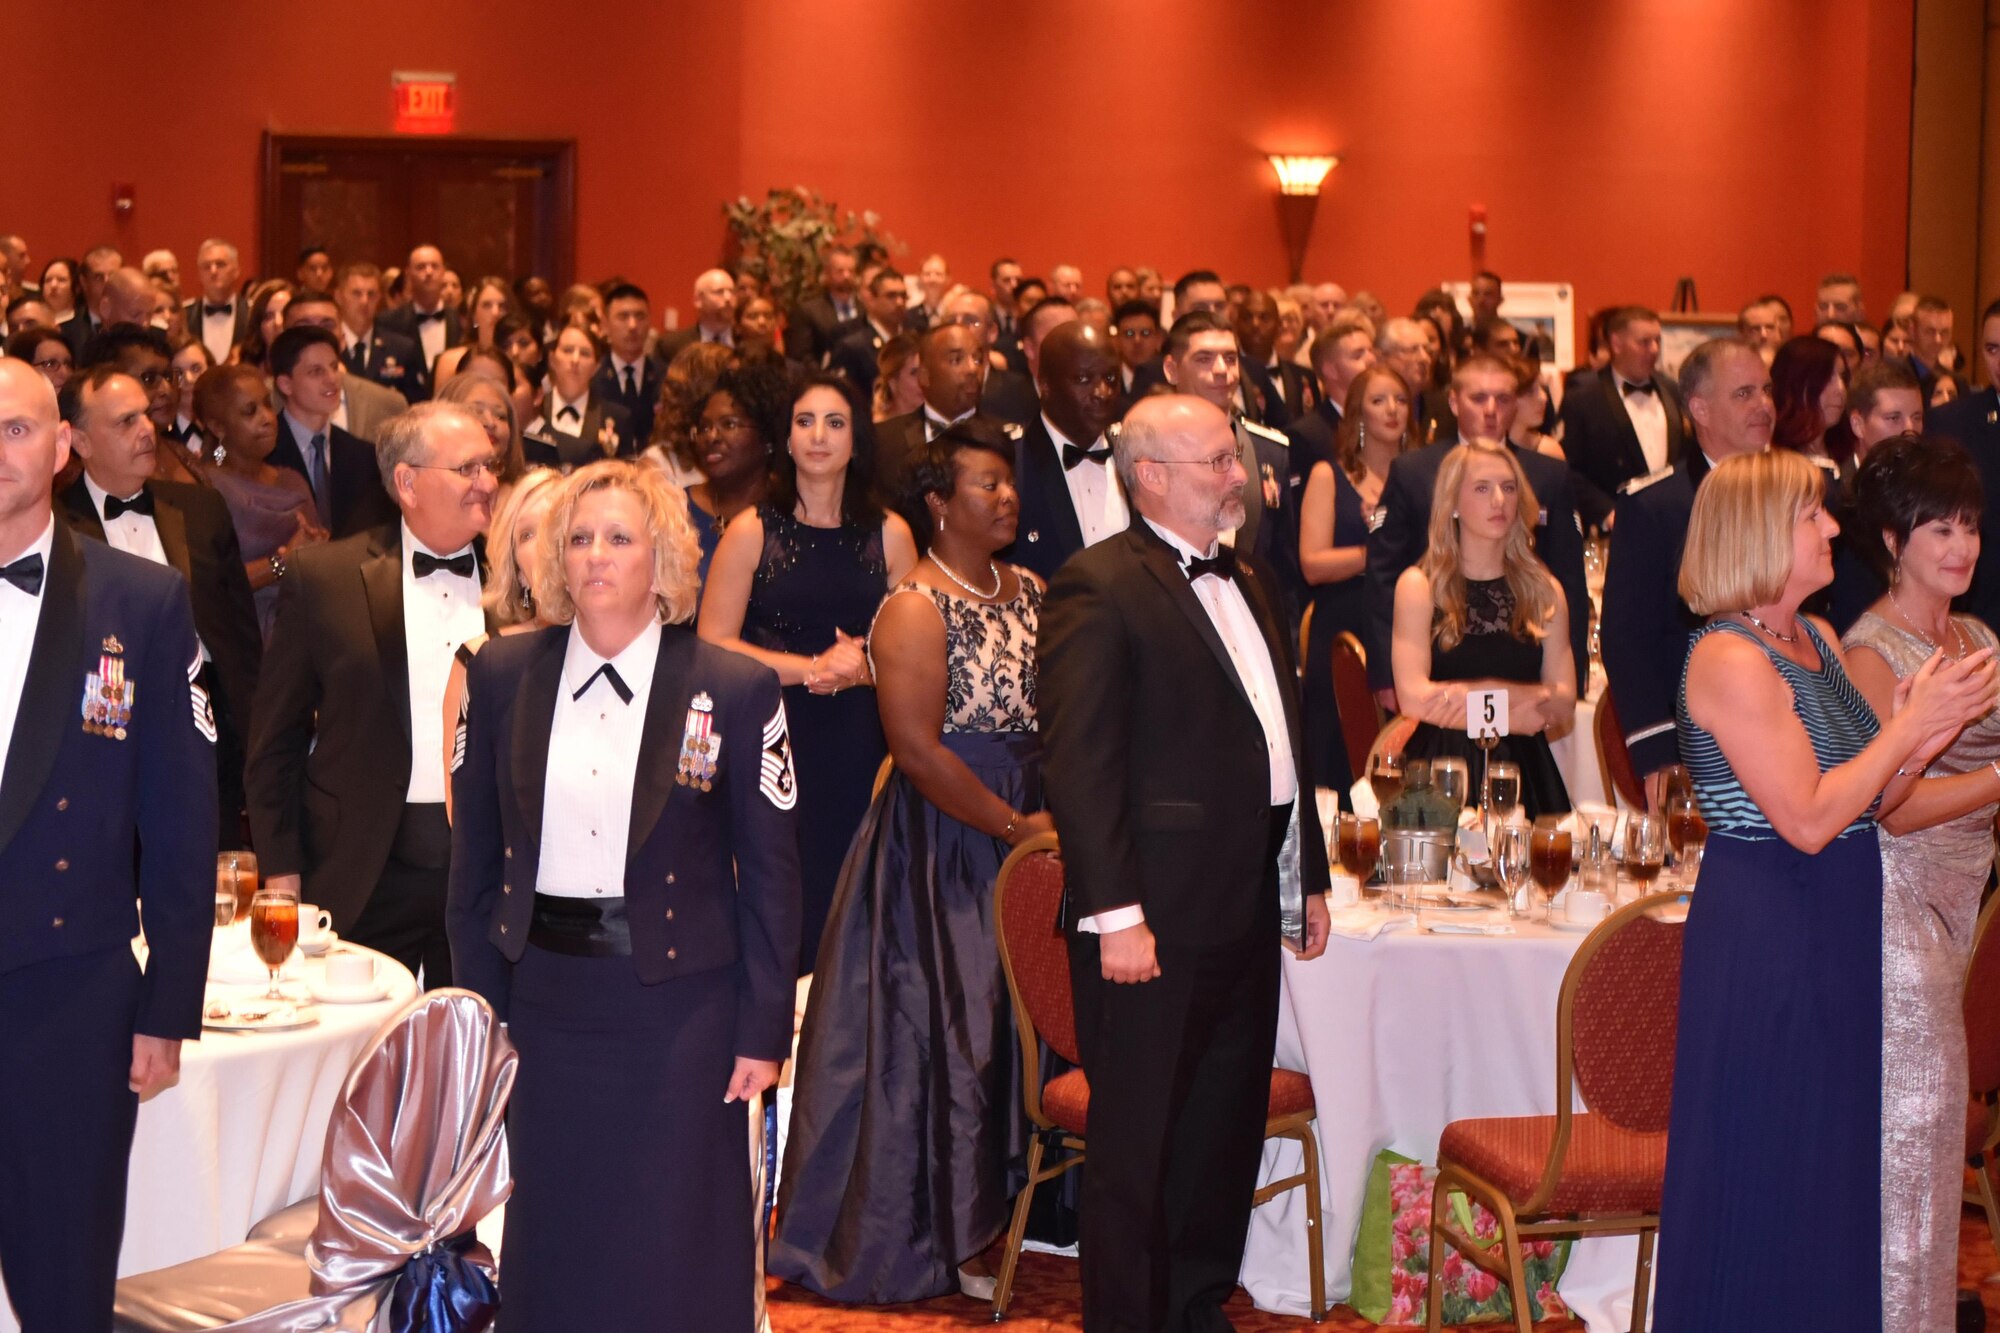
952 574
1781 638
1958 635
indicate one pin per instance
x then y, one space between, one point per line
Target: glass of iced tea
1385 777
1358 846
1645 848
1550 852
274 932
238 870
1687 834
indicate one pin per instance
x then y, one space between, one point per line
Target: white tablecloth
240 1135
1401 1036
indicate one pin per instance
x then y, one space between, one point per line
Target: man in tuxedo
1400 344
107 808
1177 778
1069 492
809 330
220 317
368 350
427 319
714 315
1973 419
1624 421
1135 330
1009 394
933 284
99 263
1005 276
1344 349
628 376
1482 406
347 762
1285 389
341 470
365 406
952 369
1644 633
185 527
884 298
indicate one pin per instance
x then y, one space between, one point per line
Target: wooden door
504 207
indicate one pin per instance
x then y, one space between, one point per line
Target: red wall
1750 144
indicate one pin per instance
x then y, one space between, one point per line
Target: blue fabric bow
442 1291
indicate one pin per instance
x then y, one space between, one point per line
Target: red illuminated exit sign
425 103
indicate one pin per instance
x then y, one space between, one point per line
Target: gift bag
1393 1249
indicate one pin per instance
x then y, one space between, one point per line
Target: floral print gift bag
1393 1249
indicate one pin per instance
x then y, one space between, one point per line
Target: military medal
700 746
107 695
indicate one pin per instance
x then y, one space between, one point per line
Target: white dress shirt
1237 626
431 334
19 616
440 612
1094 492
1649 420
350 340
218 332
130 532
935 423
618 369
593 763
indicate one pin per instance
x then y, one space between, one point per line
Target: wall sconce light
1299 179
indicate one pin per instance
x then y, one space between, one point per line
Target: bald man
1070 494
1175 768
427 319
107 808
714 316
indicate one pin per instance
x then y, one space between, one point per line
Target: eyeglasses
1216 463
726 426
49 363
490 465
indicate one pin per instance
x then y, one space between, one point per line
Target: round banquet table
1400 1036
240 1134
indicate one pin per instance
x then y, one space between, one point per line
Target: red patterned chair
1614 759
1580 1172
1982 1049
1354 702
1027 903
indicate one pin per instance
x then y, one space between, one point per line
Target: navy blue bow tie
1222 564
142 503
425 564
207 309
25 574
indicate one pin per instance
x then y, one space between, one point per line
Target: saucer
320 945
1579 927
326 993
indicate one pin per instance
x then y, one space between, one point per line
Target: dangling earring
1361 436
219 454
940 522
1454 513
527 599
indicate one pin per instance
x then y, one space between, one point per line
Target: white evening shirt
593 764
1237 627
132 533
1649 420
1094 492
19 615
431 334
440 612
218 332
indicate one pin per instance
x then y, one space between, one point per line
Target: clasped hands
842 665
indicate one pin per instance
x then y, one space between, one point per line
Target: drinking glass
1452 779
274 932
1513 863
1406 886
1385 777
1550 852
1358 846
240 870
225 905
1675 786
1503 792
1685 828
1645 848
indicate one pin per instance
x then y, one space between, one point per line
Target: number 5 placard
1486 713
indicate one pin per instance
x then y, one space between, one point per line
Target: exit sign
425 103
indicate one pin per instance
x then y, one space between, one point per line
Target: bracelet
812 672
277 565
1014 822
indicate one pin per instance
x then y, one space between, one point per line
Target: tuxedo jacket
76 331
810 329
1261 400
1400 538
639 408
369 406
358 501
1048 533
853 355
1314 439
712 877
1271 513
191 314
1011 396
1644 634
199 538
403 321
1156 767
1973 419
606 432
94 828
393 360
1301 388
1432 419
329 760
1602 446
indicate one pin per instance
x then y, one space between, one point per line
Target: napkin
232 960
1363 923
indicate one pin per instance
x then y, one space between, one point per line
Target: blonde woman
624 892
1481 612
513 545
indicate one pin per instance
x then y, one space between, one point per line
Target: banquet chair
1613 759
415 1156
1305 632
1580 1172
1027 903
1353 702
1982 1049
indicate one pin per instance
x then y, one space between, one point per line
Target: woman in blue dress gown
1771 1216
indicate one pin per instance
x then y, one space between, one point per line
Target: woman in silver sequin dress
1918 502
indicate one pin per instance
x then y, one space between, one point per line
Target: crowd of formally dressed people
559 656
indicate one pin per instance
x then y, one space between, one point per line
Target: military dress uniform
107 745
625 892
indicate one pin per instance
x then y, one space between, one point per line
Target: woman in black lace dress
907 1123
1480 612
794 583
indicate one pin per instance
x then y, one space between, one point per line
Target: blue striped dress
1771 1217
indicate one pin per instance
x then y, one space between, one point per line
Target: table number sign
1486 713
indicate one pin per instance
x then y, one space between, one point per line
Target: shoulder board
1637 484
1378 518
1275 436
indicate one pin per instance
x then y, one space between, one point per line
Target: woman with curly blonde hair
1481 612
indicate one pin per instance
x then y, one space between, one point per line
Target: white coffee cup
350 971
1583 906
314 923
1344 890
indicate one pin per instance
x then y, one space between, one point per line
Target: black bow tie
425 317
569 410
1647 387
1071 455
207 309
612 678
142 503
427 564
25 574
1222 564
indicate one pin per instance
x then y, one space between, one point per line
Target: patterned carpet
1045 1301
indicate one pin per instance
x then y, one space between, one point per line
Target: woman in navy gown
1780 1043
794 583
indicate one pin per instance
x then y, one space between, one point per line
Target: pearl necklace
952 574
1958 635
1793 637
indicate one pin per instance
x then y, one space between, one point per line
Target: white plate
369 994
303 1015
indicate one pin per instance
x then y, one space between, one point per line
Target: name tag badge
700 746
1486 713
107 694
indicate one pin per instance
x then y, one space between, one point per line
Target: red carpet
1045 1301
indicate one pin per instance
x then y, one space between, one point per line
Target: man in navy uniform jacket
107 808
